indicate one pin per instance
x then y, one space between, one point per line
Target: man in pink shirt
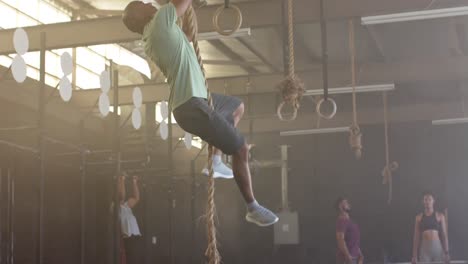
348 236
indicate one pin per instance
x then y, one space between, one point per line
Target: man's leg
237 116
221 170
241 171
216 128
240 163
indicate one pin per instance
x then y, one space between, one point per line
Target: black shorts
215 127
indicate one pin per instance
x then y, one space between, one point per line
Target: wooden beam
264 59
227 51
429 69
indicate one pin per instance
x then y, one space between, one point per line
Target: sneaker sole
218 175
260 224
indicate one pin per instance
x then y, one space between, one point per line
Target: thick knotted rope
212 252
390 167
355 136
291 88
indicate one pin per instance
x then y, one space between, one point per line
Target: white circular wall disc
104 104
137 97
164 110
163 130
21 41
66 62
65 89
136 118
18 69
105 81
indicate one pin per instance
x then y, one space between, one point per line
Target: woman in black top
430 234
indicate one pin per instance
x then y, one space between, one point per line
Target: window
91 61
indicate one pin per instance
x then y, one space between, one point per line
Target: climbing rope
211 252
219 11
355 136
291 88
390 167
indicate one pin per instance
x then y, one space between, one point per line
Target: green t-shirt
168 47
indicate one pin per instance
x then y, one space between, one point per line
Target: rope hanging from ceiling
211 253
292 87
355 137
390 167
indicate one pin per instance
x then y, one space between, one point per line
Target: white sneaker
220 170
261 216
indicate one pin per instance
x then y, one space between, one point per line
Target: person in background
430 234
129 225
348 236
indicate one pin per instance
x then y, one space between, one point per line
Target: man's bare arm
186 27
132 201
340 239
181 6
444 235
416 238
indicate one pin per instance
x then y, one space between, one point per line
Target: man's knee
243 152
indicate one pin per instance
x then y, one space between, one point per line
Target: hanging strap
323 27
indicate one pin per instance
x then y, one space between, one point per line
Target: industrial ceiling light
451 121
314 131
416 15
359 89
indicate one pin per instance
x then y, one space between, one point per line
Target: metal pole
150 133
172 201
83 196
74 55
117 154
8 220
11 220
41 148
192 209
284 177
1 217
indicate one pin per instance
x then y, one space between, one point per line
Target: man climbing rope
169 47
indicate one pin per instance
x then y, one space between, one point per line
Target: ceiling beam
96 31
231 54
377 42
435 69
264 59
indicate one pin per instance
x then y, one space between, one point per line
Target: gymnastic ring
237 26
280 115
319 107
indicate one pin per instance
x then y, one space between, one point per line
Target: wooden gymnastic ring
237 26
319 107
